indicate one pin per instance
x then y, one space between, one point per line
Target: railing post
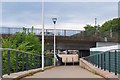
26 61
45 61
31 61
101 62
40 61
34 61
8 30
98 61
64 32
0 64
22 61
95 60
109 62
8 62
37 61
115 62
104 62
16 61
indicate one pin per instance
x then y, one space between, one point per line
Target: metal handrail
37 31
19 51
100 53
24 58
106 60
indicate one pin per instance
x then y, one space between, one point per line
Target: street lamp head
54 20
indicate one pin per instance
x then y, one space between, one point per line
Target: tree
111 27
111 24
27 42
90 30
23 41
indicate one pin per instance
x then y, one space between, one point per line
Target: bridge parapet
38 31
61 33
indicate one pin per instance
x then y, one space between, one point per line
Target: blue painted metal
108 60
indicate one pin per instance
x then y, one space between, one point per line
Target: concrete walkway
65 72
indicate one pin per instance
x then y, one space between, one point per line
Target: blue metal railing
37 31
13 60
80 34
108 60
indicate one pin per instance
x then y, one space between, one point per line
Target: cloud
60 0
0 14
70 15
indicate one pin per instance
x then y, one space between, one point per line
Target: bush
27 42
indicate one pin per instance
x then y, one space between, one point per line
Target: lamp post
54 21
42 35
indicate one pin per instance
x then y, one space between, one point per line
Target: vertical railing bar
45 61
101 62
115 62
34 61
22 61
8 62
98 61
118 65
95 60
49 61
26 61
37 61
31 61
0 63
104 62
109 62
90 59
16 61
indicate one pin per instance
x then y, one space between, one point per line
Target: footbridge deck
65 72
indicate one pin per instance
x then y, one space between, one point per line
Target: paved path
65 72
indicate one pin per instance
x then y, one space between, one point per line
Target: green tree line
110 29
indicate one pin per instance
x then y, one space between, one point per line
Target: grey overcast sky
71 15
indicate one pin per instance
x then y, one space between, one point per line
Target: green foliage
108 28
111 24
23 41
49 55
89 30
26 42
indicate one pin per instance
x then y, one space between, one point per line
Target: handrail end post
0 64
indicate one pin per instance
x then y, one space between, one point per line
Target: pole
54 46
95 22
111 32
0 64
43 35
0 57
